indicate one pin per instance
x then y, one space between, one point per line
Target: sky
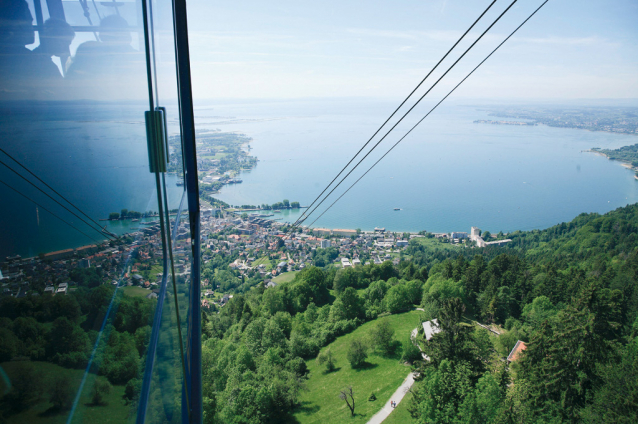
571 49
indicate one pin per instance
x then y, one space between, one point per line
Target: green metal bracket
157 139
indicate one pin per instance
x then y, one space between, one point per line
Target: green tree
114 216
8 344
616 401
345 278
383 337
101 389
326 357
352 303
25 386
397 299
437 397
410 352
124 213
61 392
484 403
357 353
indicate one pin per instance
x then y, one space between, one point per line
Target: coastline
622 163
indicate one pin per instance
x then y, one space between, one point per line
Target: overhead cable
49 187
431 110
37 204
410 110
56 201
397 109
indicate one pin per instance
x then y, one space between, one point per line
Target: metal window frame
192 411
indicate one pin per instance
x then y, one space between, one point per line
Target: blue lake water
448 175
93 154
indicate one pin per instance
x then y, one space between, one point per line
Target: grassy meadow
114 410
382 376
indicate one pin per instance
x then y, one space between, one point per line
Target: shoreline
622 163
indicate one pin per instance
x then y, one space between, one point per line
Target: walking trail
397 396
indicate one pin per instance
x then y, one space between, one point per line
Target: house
430 328
516 352
270 284
345 263
402 243
346 233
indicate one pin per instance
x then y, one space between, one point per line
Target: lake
448 175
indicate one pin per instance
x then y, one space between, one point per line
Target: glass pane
82 241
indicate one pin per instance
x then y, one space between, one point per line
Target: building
84 263
325 244
517 351
430 328
322 231
458 235
345 263
402 243
345 233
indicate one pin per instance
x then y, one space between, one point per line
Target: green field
217 155
263 260
434 243
285 277
135 291
114 411
321 404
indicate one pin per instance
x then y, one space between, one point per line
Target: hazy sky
287 49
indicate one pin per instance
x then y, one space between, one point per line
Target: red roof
516 352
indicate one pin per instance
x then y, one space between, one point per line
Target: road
397 396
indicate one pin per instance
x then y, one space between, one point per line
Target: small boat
134 220
397 209
277 211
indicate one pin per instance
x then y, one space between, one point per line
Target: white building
430 328
325 244
345 263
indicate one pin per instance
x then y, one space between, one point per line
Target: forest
58 334
569 292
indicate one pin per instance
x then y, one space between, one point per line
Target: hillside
569 292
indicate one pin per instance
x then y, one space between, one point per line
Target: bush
101 389
326 357
61 392
383 337
411 353
132 389
357 353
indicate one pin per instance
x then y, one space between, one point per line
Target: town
238 253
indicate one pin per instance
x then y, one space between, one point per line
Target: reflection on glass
84 254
